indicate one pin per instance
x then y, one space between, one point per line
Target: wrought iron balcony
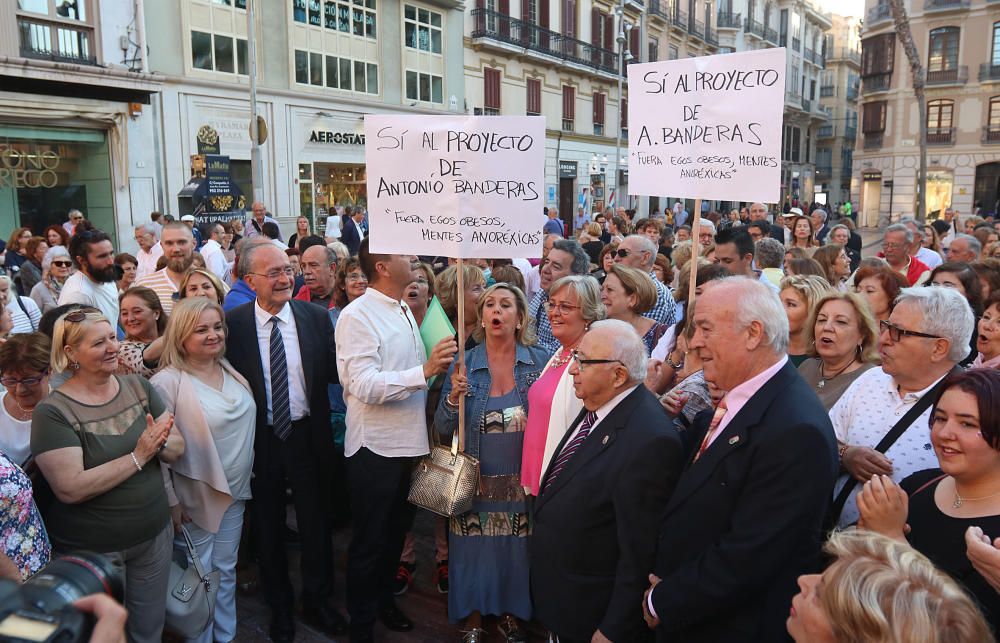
850 133
940 135
991 134
697 28
954 76
658 10
807 105
57 42
711 36
728 20
945 5
873 140
827 131
989 72
877 82
754 28
796 44
771 35
879 13
826 91
498 27
680 19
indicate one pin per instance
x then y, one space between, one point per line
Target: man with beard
94 283
178 248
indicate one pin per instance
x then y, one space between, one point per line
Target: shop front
46 172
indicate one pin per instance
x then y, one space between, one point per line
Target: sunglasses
77 316
62 264
622 252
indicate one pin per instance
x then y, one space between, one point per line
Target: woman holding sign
489 543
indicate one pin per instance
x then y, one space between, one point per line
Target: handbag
446 480
191 600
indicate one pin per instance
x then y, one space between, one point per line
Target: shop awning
76 80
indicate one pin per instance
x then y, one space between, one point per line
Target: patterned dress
22 535
489 544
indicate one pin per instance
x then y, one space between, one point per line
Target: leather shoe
394 619
282 627
325 619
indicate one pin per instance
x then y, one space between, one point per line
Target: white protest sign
456 186
708 127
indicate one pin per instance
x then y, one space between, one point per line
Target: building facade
77 128
959 42
838 91
799 26
321 66
562 60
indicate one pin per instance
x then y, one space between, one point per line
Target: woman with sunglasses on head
489 571
574 303
98 439
939 505
56 268
24 373
143 320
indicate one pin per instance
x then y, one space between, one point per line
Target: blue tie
569 449
281 415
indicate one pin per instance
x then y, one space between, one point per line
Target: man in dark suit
354 230
818 218
758 212
285 350
745 519
595 521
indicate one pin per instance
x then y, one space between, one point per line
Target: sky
844 7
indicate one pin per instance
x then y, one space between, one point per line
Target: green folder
435 327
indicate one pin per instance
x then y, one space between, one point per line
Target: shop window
423 87
57 30
215 52
356 17
336 73
422 29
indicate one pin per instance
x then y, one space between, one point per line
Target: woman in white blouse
209 485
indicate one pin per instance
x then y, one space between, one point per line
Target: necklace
959 500
23 410
562 358
823 378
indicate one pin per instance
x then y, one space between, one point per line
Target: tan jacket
196 480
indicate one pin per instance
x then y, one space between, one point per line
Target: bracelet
447 401
135 461
842 450
671 364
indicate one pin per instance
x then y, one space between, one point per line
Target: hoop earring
75 366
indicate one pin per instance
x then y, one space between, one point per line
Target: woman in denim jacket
489 543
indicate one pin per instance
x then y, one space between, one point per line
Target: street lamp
624 56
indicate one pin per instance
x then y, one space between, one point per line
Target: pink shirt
536 429
737 398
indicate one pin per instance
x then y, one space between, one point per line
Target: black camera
119 272
41 609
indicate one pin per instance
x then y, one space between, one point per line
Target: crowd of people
809 450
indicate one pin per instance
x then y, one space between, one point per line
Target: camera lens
71 577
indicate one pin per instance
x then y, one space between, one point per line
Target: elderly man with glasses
896 244
567 257
75 217
925 338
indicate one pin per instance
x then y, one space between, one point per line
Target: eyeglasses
622 252
897 333
11 382
62 264
274 275
892 246
561 308
580 362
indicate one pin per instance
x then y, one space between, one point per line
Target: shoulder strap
26 313
929 483
887 441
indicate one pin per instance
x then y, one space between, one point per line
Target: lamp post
624 56
256 171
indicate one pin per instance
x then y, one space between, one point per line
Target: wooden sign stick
695 255
460 296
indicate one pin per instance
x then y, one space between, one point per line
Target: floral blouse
22 534
130 360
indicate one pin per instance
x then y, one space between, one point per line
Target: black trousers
379 487
295 464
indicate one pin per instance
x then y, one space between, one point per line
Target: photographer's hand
109 615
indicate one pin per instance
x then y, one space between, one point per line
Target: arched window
939 119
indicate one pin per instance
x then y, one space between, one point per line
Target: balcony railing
955 76
656 9
878 13
826 91
796 44
991 134
754 28
728 20
809 55
807 105
989 72
826 131
873 140
877 82
850 133
793 97
842 53
697 28
945 5
711 36
680 19
852 93
56 42
940 135
824 169
502 28
771 35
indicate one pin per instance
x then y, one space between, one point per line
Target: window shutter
543 13
491 97
596 22
534 89
569 103
598 108
609 32
633 43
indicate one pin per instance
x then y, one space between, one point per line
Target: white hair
51 254
148 228
756 302
822 214
707 224
645 244
626 347
945 313
900 227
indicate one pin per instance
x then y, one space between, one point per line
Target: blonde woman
99 447
208 484
446 287
799 296
880 590
627 293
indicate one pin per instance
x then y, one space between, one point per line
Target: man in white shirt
211 250
75 217
94 283
150 249
926 337
254 226
178 247
384 371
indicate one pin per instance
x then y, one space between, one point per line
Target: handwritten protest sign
708 127
456 186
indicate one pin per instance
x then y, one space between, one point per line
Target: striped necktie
570 448
713 426
281 415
